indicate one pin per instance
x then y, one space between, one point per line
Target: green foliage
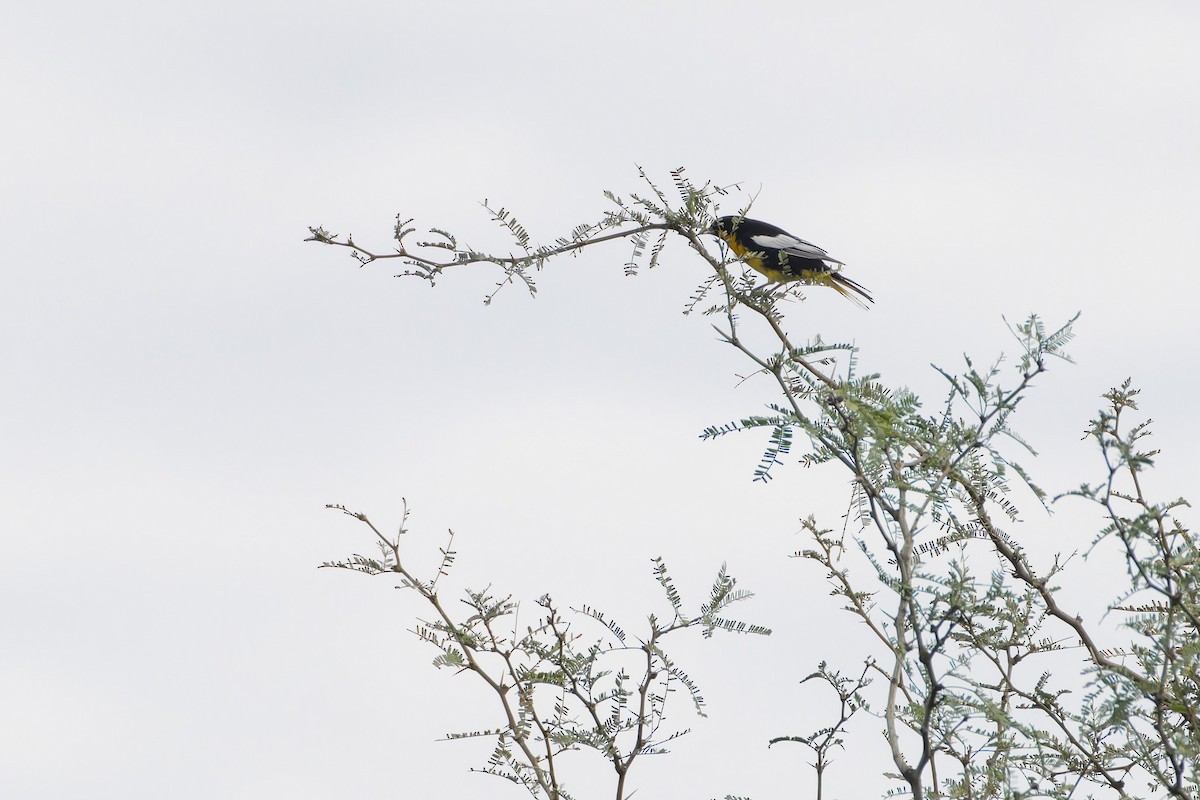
558 689
654 217
959 646
969 633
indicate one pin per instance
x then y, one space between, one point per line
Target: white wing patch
792 246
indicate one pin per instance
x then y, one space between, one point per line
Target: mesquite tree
964 621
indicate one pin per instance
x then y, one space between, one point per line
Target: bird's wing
792 246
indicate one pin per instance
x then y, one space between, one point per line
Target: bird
783 257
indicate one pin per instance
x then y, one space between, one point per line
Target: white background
185 383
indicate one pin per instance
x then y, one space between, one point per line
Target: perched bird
782 257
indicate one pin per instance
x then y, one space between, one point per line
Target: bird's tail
850 289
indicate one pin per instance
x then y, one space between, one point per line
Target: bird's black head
724 226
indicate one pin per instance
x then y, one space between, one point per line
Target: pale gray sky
186 383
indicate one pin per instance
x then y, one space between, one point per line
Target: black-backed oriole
782 257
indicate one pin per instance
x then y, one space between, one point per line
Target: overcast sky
186 382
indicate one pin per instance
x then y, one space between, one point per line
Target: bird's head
723 227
